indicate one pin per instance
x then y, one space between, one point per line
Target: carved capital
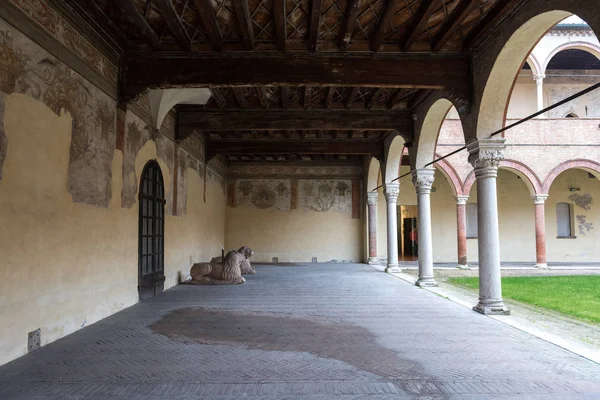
372 198
485 156
539 198
462 200
391 192
423 179
539 79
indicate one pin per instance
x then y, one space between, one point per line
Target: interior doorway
151 276
408 233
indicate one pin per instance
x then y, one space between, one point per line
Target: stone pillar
391 191
372 198
485 155
461 230
423 179
539 80
540 230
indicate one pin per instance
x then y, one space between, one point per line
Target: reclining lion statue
245 266
215 272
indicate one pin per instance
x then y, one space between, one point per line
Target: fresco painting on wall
264 193
326 195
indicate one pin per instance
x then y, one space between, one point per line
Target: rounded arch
451 176
373 173
430 130
536 67
590 166
530 178
394 148
163 100
506 66
591 48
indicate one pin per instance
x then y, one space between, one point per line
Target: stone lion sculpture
245 266
215 272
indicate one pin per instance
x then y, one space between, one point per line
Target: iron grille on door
151 232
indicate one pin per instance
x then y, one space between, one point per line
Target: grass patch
578 296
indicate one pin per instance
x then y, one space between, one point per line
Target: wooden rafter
133 15
390 8
306 99
167 10
240 97
351 97
401 94
279 16
315 20
372 97
218 97
455 19
95 16
201 119
245 23
329 96
209 20
291 147
285 96
348 23
417 23
262 97
493 16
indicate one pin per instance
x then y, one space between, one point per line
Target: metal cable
499 131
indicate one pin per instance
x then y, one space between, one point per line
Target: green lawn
578 296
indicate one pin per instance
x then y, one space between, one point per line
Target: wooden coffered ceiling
336 75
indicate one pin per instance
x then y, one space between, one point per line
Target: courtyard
307 331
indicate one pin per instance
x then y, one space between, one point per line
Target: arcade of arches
131 149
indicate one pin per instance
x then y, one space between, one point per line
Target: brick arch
451 175
530 178
586 165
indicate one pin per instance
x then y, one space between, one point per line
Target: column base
392 268
542 266
373 260
463 267
426 281
492 308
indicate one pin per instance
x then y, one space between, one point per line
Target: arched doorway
151 276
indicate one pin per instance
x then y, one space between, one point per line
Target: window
471 220
564 220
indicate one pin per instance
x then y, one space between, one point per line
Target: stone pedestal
423 179
485 155
461 230
391 191
372 198
540 231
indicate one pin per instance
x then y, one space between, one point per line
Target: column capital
423 179
539 78
462 200
485 156
391 192
372 198
539 198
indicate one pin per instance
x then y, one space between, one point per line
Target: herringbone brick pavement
311 332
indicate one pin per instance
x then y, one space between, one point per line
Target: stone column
391 191
423 179
540 230
539 80
485 155
372 198
461 230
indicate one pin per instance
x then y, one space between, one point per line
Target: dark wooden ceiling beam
242 12
285 97
143 70
133 15
417 23
201 119
455 19
173 21
494 15
291 147
348 23
314 22
240 97
390 8
209 20
262 97
279 17
306 99
94 15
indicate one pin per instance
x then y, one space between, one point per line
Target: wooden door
151 276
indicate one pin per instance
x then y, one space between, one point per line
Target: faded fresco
26 68
136 136
583 201
264 193
325 195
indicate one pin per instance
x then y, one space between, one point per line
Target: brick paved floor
316 332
